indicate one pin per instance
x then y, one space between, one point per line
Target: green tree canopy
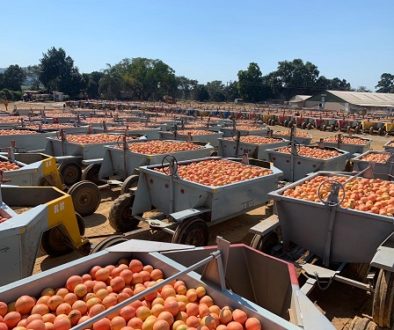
250 83
13 77
58 73
385 84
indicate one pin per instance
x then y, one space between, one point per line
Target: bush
6 94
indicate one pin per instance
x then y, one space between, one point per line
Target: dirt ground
340 303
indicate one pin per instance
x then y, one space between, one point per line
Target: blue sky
206 39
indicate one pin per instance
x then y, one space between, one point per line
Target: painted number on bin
58 207
248 204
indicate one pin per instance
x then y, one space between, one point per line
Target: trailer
190 207
120 164
335 232
269 291
350 143
381 162
253 145
49 219
24 140
389 146
295 162
193 135
298 136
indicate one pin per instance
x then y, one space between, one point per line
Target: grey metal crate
223 202
296 167
297 139
57 147
380 170
277 301
351 148
355 237
27 142
124 163
229 131
389 146
212 138
227 148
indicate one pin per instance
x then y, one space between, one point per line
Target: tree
231 91
13 77
185 87
293 77
32 76
110 84
385 84
200 93
216 91
250 83
58 72
90 82
363 89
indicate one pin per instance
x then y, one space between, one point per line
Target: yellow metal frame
61 213
49 169
366 124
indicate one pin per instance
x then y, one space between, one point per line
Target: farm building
351 101
298 101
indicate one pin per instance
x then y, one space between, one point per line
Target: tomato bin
24 140
266 295
389 146
151 132
120 164
380 162
245 129
254 145
193 195
193 135
349 143
345 224
30 216
299 136
296 161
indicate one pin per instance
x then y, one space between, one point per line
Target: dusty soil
340 303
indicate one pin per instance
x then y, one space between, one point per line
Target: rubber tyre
323 128
381 131
192 231
382 305
362 323
266 243
214 154
91 173
86 197
71 173
371 130
130 182
120 217
108 242
56 243
309 126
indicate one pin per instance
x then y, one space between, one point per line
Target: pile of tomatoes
346 140
173 306
6 132
311 152
250 127
92 138
195 132
8 166
162 147
218 172
368 195
298 133
256 139
380 158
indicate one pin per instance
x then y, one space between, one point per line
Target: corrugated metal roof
299 98
365 99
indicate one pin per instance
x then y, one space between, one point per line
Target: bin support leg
327 248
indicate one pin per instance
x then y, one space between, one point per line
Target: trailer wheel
214 154
86 197
266 243
91 173
382 306
357 130
56 243
107 242
120 217
381 131
192 231
323 128
71 173
130 182
362 323
371 130
309 126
